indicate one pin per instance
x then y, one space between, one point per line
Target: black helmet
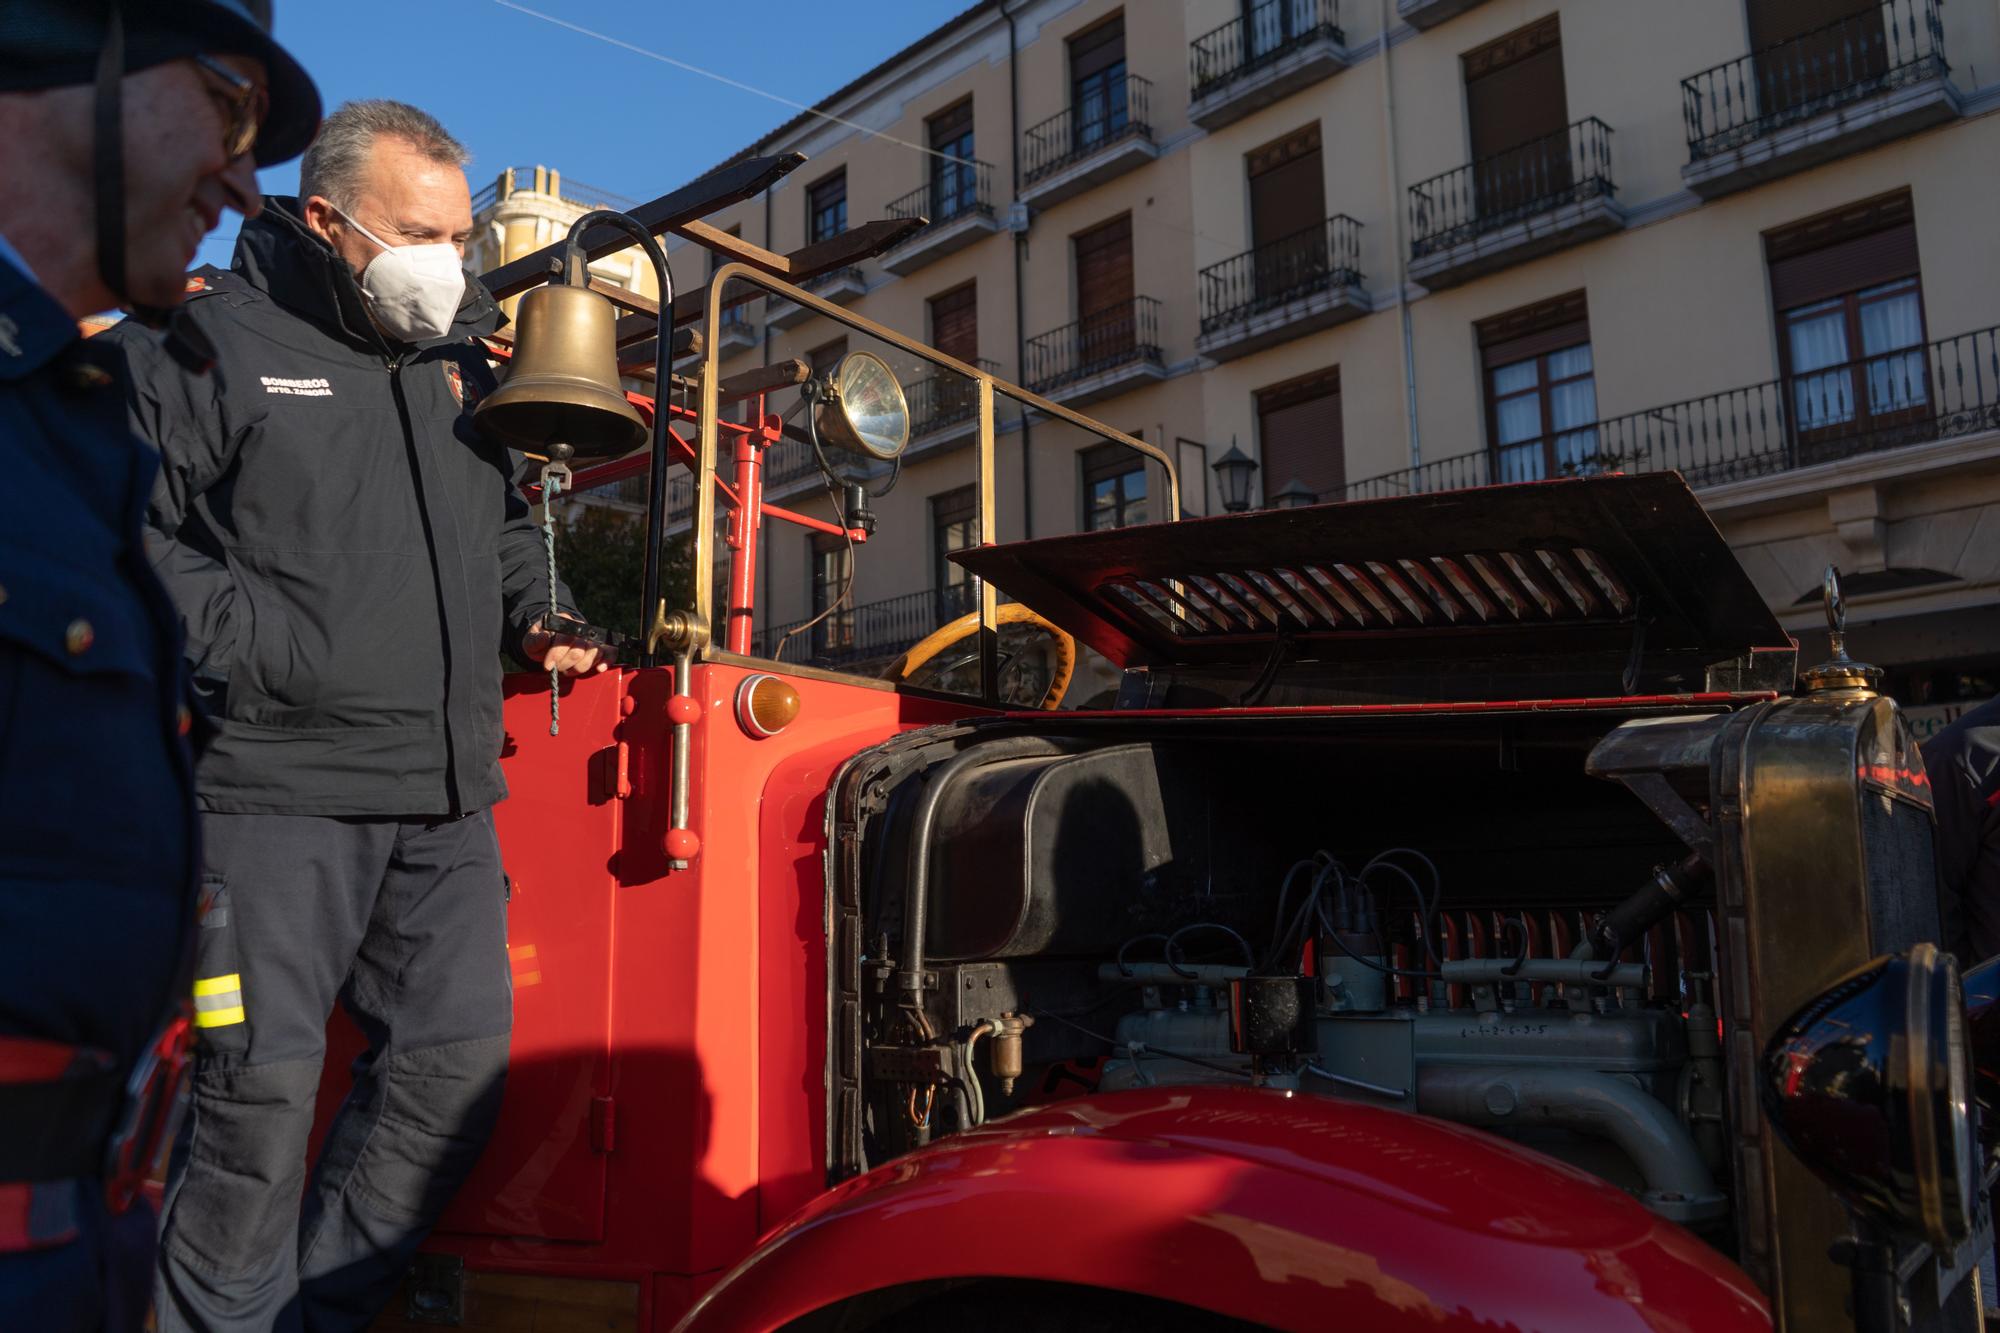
55 43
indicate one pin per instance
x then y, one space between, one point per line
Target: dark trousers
405 923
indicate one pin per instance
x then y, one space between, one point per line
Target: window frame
1114 463
1536 349
817 204
1863 417
950 583
952 182
836 633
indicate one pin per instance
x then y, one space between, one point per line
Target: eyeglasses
243 106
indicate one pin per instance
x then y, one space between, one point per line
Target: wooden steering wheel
954 647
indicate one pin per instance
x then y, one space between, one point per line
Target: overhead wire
801 107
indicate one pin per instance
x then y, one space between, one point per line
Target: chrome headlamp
863 408
1869 1085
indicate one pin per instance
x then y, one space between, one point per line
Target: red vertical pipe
745 524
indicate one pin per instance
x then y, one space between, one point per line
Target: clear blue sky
517 90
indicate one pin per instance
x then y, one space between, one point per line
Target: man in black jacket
351 556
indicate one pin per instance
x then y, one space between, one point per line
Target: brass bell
563 389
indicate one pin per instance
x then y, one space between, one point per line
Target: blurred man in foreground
125 131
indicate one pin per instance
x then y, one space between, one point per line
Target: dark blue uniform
97 843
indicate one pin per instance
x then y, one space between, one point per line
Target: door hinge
603 1124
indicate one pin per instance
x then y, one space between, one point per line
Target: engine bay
1447 915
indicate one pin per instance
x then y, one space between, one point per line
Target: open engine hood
1593 585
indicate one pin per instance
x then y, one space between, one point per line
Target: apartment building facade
1376 246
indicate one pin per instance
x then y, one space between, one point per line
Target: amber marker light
766 705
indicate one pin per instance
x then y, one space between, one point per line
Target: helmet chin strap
184 342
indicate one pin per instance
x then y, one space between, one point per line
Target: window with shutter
1287 212
955 322
954 527
1851 332
1114 487
1299 431
1098 96
832 566
1541 390
826 207
954 187
1518 113
1105 333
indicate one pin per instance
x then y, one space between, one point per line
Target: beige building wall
1678 296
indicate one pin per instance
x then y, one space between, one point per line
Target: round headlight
864 408
1868 1085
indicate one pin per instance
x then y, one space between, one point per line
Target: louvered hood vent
1600 584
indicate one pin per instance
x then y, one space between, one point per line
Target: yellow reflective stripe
217 985
219 1018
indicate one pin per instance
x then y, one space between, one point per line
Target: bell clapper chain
556 479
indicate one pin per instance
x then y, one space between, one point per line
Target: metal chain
553 477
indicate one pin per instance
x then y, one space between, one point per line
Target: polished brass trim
990 386
1912 1049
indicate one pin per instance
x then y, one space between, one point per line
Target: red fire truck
1458 921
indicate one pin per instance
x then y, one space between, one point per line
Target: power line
726 80
738 84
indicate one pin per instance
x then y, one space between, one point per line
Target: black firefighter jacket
351 555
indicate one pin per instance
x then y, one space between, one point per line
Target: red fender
1296 1212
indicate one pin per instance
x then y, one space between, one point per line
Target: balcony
1546 195
958 204
1921 395
944 407
1874 76
1084 146
839 286
736 333
1427 14
1286 289
1267 54
873 632
1102 354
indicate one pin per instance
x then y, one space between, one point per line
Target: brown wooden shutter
1514 89
946 126
955 322
1299 424
1843 250
1287 188
1808 49
1533 330
1098 49
1104 266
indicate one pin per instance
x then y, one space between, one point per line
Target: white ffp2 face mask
413 291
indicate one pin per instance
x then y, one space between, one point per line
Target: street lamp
1232 478
1294 496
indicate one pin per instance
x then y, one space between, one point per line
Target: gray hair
334 165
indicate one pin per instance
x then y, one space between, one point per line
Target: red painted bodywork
1295 1212
666 1105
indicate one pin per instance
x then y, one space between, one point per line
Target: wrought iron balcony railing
1119 111
1250 41
871 630
1543 174
1913 395
1100 341
944 399
1318 259
956 189
1883 45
